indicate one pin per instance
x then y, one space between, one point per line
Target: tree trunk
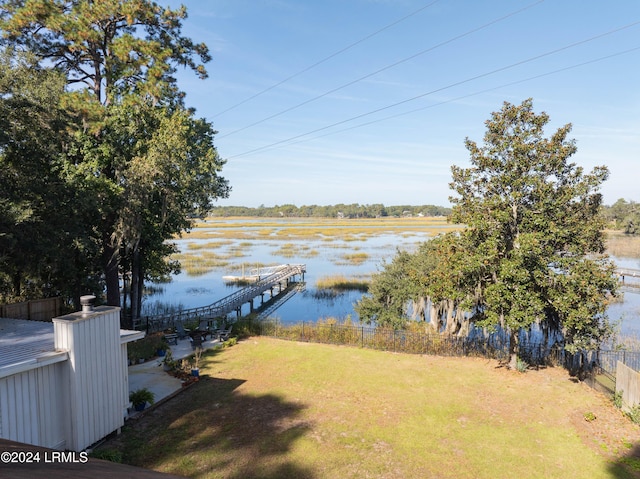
135 280
124 291
434 317
140 293
514 349
17 284
112 264
451 322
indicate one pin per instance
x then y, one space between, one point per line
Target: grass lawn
268 408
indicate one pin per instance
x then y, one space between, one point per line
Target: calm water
323 257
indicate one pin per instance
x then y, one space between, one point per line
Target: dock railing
224 306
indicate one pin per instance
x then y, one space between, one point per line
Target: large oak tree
531 251
534 230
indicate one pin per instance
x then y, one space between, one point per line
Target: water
323 257
626 314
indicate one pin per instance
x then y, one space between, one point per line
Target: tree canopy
136 160
110 47
42 253
624 215
532 249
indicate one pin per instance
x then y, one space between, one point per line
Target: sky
370 101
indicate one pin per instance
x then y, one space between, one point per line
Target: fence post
362 336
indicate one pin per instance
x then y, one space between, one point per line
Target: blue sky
370 101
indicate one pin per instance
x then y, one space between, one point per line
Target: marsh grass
239 250
160 307
220 234
342 283
287 250
290 250
353 258
208 245
271 408
327 229
623 246
201 263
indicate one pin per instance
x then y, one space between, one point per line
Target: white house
64 384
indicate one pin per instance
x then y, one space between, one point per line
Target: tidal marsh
623 246
342 283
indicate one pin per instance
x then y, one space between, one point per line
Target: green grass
268 408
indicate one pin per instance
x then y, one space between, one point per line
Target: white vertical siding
30 407
95 373
64 386
52 410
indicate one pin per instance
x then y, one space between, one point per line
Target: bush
230 342
634 414
617 399
521 365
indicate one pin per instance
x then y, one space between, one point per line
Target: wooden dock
629 279
271 281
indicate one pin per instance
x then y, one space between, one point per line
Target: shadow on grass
212 429
627 467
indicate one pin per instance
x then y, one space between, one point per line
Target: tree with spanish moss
531 250
533 238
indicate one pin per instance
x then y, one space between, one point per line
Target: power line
422 52
348 47
476 77
480 92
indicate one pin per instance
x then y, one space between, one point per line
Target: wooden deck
56 465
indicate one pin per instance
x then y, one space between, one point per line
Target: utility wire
480 92
476 77
451 40
348 47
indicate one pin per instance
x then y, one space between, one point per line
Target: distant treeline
333 211
624 215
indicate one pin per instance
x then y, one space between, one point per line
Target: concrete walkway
152 376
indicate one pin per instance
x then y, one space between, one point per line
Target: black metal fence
492 346
607 360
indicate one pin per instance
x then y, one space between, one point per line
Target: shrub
634 414
230 342
521 365
147 347
617 399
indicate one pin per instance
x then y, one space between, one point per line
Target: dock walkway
276 277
